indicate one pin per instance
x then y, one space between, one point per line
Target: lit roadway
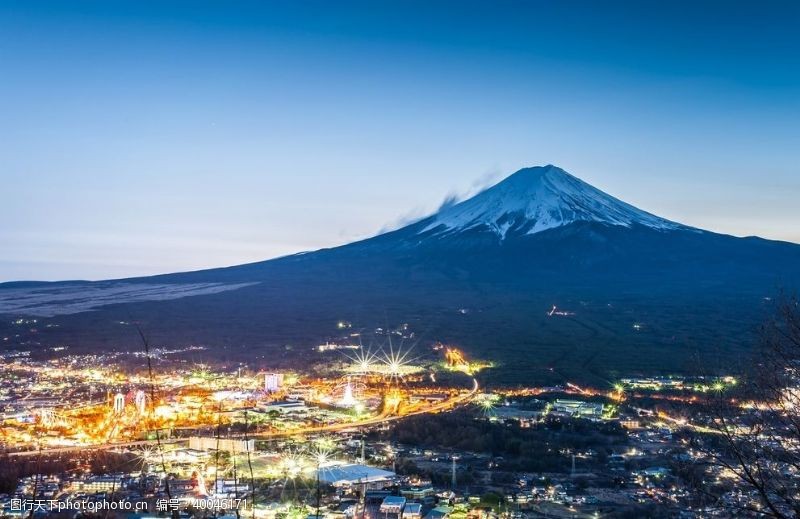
683 422
380 419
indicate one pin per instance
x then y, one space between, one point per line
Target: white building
141 402
577 408
285 407
224 444
100 484
273 382
119 403
393 505
354 474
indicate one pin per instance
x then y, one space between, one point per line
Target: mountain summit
536 199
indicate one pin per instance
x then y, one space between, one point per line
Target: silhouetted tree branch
756 442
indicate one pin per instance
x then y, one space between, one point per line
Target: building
198 443
230 488
578 409
440 512
119 403
182 486
100 484
188 456
418 493
412 511
514 413
285 407
658 472
393 505
273 382
630 423
354 474
140 400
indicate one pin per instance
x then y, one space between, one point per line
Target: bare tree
754 441
153 401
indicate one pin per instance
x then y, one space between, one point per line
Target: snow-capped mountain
537 199
484 273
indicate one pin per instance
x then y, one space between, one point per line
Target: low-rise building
578 408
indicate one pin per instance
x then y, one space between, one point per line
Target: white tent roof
353 474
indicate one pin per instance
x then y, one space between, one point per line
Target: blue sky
146 137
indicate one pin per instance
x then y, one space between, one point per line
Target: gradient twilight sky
147 137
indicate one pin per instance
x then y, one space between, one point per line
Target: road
376 420
103 446
682 422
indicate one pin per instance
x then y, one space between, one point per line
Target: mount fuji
537 199
639 293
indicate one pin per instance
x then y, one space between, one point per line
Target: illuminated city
100 406
281 443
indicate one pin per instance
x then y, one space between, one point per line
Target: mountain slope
643 294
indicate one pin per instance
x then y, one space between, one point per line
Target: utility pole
363 496
453 473
318 488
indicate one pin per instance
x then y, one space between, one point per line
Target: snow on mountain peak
537 199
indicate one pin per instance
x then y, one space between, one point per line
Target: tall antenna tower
572 473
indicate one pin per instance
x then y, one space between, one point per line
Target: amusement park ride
456 361
455 358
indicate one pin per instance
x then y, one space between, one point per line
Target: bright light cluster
392 363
